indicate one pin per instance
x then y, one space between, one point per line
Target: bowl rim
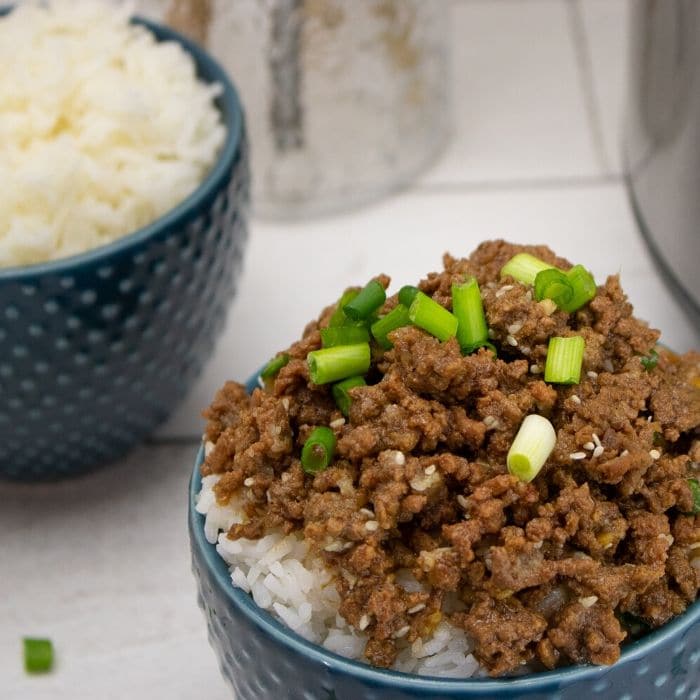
211 183
336 664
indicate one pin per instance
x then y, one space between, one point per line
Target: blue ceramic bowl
96 349
261 658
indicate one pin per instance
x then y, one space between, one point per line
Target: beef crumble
547 573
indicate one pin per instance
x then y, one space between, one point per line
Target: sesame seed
608 366
538 544
208 448
548 306
650 418
576 399
285 403
514 328
598 451
430 469
371 525
577 455
367 512
490 421
588 446
596 439
337 423
528 295
336 546
249 481
363 624
399 458
525 350
624 453
462 501
535 369
511 341
505 288
416 608
668 538
588 601
654 454
592 375
402 632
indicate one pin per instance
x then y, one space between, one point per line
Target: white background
101 564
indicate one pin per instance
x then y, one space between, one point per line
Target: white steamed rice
296 588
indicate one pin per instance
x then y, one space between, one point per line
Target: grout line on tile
553 183
584 64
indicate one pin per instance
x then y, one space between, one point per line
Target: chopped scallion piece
38 655
367 301
342 361
583 284
532 446
407 294
396 318
524 268
564 360
694 485
340 393
318 450
650 361
553 284
427 314
274 366
467 306
343 335
339 318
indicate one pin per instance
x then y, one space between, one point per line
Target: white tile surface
101 566
606 24
518 109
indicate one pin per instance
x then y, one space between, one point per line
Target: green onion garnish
274 366
343 335
467 306
583 284
318 450
339 318
396 318
38 655
367 301
553 284
427 314
532 445
342 361
694 485
564 360
340 393
407 294
524 268
650 361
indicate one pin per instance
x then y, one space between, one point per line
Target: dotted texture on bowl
92 360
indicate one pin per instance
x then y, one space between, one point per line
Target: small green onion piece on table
340 393
650 361
524 268
468 308
532 446
343 335
38 655
318 450
339 318
564 360
553 284
407 294
584 289
694 486
427 314
339 362
396 318
370 298
271 369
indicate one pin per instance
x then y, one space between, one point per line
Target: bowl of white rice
123 222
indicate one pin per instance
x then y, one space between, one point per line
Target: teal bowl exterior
261 658
97 349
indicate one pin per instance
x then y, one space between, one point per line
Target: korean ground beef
602 545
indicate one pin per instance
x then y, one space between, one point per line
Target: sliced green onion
650 361
564 360
427 314
532 445
274 366
342 361
553 284
407 294
340 393
368 300
467 306
339 318
318 450
38 655
396 318
694 485
343 335
583 284
524 268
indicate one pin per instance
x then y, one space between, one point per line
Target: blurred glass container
346 100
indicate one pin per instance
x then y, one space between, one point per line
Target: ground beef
557 571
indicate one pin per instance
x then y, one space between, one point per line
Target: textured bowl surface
96 349
261 658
